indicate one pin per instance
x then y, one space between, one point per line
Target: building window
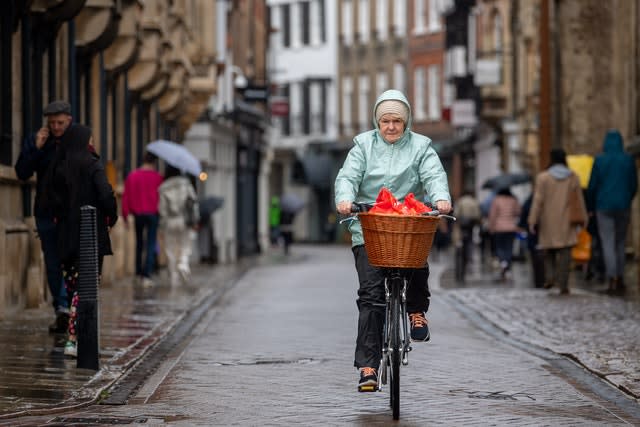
363 21
285 92
400 17
399 77
305 29
276 22
285 25
434 92
347 96
347 22
295 106
434 16
318 32
316 107
382 82
419 92
418 17
363 103
296 25
382 15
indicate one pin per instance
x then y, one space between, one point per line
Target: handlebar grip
360 207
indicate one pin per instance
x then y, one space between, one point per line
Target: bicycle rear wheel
396 351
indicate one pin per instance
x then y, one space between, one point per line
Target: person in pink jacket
503 224
140 198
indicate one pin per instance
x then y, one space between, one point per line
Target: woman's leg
371 305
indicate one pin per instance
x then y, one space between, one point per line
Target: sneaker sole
364 388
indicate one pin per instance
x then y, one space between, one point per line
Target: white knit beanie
391 106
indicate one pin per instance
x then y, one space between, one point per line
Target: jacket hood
559 171
393 94
613 142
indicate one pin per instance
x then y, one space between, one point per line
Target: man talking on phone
36 156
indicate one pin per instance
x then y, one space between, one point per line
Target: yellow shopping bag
581 252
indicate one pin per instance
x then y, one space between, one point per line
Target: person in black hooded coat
77 178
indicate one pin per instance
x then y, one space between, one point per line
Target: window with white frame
399 77
296 25
285 25
276 22
315 104
419 92
382 15
418 17
363 103
295 106
433 76
347 22
434 16
363 21
347 96
305 23
382 82
317 22
400 17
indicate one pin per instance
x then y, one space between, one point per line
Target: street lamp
240 81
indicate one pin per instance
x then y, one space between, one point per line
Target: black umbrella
506 180
209 205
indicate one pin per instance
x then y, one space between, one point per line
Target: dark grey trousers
371 305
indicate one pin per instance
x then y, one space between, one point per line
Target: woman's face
391 127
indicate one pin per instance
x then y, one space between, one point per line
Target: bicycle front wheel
396 352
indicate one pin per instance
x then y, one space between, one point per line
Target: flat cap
57 107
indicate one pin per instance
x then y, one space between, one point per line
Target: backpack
191 214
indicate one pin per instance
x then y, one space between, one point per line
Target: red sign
279 106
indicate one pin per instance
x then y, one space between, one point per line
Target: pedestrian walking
467 210
179 212
286 230
77 178
35 158
612 186
392 156
536 256
140 198
504 215
551 218
274 220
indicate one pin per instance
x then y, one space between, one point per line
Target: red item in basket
415 206
386 203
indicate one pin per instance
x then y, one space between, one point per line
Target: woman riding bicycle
390 156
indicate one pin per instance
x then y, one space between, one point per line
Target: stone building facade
134 71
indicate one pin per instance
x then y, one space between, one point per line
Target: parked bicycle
396 244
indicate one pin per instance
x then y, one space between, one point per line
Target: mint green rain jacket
411 165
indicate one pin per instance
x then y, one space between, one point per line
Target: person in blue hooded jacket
612 186
391 156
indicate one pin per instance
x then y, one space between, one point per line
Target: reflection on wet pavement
34 372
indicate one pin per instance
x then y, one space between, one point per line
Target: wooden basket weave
399 241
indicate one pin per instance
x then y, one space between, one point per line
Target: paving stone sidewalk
600 332
36 377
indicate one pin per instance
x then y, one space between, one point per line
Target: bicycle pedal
367 388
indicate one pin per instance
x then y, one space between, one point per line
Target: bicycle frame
395 285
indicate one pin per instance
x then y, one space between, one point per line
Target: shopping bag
581 252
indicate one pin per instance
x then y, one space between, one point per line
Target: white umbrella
176 155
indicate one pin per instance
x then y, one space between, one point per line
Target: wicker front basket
399 241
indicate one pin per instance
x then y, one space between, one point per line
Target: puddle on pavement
302 361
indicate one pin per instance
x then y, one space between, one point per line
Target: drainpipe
544 135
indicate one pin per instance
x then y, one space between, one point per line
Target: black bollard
88 277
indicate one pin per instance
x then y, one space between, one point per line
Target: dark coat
34 161
614 180
92 189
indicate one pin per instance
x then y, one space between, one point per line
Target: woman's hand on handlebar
344 207
443 206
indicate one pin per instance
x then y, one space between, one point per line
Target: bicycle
396 340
